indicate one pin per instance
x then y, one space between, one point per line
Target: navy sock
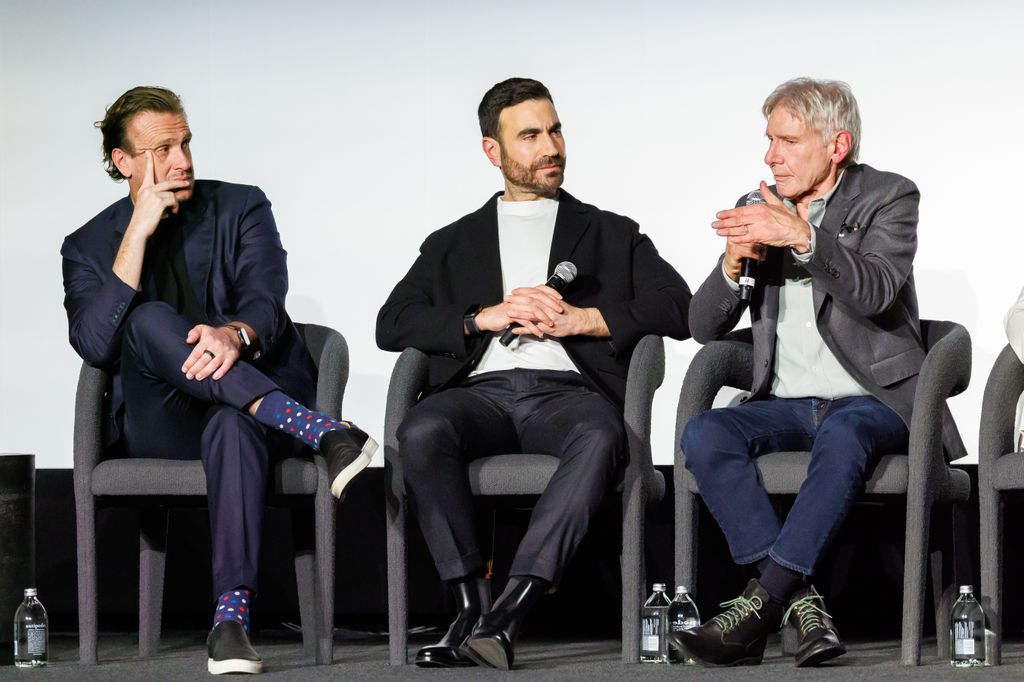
780 582
234 605
279 411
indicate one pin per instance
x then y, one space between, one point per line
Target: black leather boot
472 598
818 640
493 639
736 636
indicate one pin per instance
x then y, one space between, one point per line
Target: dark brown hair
121 112
507 93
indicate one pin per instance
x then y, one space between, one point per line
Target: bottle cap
30 591
681 589
966 589
659 587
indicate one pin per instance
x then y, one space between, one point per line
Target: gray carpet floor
183 657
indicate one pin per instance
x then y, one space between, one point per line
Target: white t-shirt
525 230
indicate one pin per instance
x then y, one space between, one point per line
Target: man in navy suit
177 291
558 389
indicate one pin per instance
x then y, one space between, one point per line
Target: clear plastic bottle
682 615
654 627
967 631
31 632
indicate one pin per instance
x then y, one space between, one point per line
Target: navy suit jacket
237 268
620 273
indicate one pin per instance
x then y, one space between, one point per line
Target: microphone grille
566 271
754 198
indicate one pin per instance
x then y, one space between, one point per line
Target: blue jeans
845 437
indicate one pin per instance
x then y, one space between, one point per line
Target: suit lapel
835 217
199 227
485 257
570 225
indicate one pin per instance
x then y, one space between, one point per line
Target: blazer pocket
898 367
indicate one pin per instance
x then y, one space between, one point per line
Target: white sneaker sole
357 465
234 665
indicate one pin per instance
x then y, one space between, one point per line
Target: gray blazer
863 281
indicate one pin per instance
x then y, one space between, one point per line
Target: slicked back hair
115 123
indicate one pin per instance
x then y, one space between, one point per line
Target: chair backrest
999 407
329 351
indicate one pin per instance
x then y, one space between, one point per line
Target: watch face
245 337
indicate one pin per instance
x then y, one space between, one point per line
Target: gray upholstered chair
154 484
922 476
1000 470
528 475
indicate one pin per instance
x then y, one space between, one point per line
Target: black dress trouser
515 411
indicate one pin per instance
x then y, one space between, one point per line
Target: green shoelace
807 612
736 610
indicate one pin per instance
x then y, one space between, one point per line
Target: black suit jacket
620 273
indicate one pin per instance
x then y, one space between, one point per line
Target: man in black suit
557 389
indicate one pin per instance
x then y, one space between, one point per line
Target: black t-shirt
165 273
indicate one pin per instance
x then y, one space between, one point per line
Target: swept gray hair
825 106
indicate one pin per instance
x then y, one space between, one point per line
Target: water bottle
654 627
682 615
967 631
31 633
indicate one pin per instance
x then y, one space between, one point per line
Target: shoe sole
234 665
357 465
487 653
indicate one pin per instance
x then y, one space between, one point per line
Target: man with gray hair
837 350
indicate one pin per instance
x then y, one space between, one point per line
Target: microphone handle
748 266
508 336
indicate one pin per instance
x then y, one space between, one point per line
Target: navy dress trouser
167 416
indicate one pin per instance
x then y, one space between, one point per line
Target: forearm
130 255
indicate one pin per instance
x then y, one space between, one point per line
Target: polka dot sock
234 605
284 414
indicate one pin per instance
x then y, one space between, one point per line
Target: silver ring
212 356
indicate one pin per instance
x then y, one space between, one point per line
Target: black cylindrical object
17 537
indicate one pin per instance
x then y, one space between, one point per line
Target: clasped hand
540 310
749 229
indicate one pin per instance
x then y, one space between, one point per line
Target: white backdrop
359 123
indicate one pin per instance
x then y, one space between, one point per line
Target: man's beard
527 178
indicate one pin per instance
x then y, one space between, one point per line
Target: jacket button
765 363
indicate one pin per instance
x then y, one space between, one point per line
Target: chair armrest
999 409
408 379
945 372
646 372
89 419
728 362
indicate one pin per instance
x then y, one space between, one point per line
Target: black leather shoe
492 642
817 637
471 600
347 452
737 635
230 651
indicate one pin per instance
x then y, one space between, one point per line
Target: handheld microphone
748 266
564 274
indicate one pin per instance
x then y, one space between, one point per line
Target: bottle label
963 639
650 639
747 281
36 636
